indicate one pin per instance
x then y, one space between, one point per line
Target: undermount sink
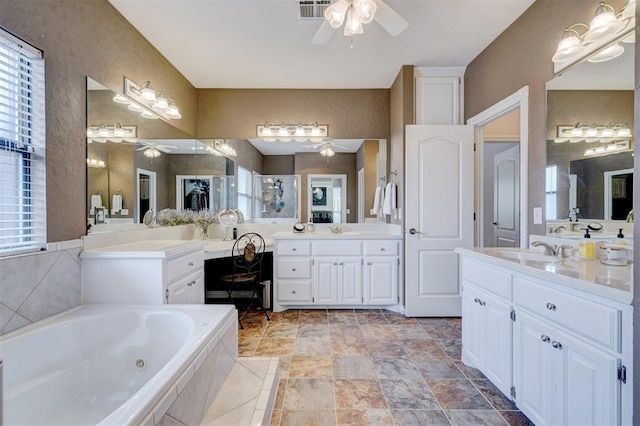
521 254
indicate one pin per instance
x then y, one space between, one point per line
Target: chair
247 254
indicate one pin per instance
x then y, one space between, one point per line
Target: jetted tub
99 364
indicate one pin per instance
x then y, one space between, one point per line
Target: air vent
312 10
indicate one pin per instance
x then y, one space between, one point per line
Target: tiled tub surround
36 286
142 363
375 367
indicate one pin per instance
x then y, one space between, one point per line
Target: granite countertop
326 235
591 276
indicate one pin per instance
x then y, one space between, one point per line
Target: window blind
22 147
244 192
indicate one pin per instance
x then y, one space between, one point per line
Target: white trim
439 71
519 99
607 190
26 48
343 206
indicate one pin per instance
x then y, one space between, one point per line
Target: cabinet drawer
185 264
294 268
594 320
491 279
381 248
294 248
189 289
337 248
294 291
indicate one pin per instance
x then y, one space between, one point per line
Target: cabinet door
473 326
381 281
350 280
591 388
196 290
179 293
496 364
532 366
325 280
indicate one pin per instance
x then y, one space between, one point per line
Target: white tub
99 364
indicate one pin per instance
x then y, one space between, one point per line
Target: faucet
336 229
558 228
549 250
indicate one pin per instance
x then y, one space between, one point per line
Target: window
551 191
22 142
245 178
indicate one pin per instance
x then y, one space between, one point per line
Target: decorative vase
204 232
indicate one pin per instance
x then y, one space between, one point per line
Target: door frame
152 192
608 204
519 99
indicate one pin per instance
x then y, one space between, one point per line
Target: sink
521 254
344 233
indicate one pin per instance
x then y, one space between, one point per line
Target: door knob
413 231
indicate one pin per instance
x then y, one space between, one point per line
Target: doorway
145 193
327 198
501 201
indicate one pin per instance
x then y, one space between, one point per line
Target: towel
116 204
96 201
386 204
376 200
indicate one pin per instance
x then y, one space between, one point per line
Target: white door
497 365
506 198
439 216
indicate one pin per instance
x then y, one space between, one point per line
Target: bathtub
111 365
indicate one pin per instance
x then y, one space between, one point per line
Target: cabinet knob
369 263
294 249
551 306
293 269
383 249
545 338
335 264
482 303
190 263
192 283
341 263
556 345
293 292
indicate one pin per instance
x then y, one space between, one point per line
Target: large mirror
590 118
136 164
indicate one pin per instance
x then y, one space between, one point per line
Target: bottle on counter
587 248
620 238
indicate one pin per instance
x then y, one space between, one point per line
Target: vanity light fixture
606 25
224 148
288 132
94 162
593 133
116 133
145 100
606 149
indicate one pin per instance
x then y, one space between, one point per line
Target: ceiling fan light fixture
365 10
336 13
151 152
352 25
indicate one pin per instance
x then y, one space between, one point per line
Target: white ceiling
261 44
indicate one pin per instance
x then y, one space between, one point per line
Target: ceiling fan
152 149
367 10
326 148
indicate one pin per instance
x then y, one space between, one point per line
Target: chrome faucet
558 228
336 229
549 250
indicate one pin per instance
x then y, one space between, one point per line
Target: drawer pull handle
556 345
551 306
192 283
190 263
293 269
293 292
482 303
383 249
476 300
335 264
294 249
545 338
341 263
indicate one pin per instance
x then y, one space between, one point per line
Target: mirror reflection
590 141
154 166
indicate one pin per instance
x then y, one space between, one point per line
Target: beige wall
279 164
84 38
401 114
521 56
350 114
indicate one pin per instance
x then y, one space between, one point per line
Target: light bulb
569 46
266 130
352 26
605 23
282 131
172 111
103 131
592 131
161 102
365 10
607 132
147 92
624 132
335 13
118 130
315 130
576 131
300 130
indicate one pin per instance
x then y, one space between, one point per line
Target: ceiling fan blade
166 146
324 33
389 19
163 148
143 148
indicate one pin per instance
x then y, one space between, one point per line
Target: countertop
591 276
215 249
326 235
146 249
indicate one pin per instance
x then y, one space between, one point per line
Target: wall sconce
94 162
606 149
288 132
147 101
606 26
115 133
593 133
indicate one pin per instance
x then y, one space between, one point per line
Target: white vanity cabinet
144 272
335 272
560 353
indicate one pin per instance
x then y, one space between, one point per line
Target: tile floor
373 367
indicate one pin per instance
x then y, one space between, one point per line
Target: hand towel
116 203
388 193
394 196
376 200
96 201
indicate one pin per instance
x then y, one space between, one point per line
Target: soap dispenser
620 238
587 248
